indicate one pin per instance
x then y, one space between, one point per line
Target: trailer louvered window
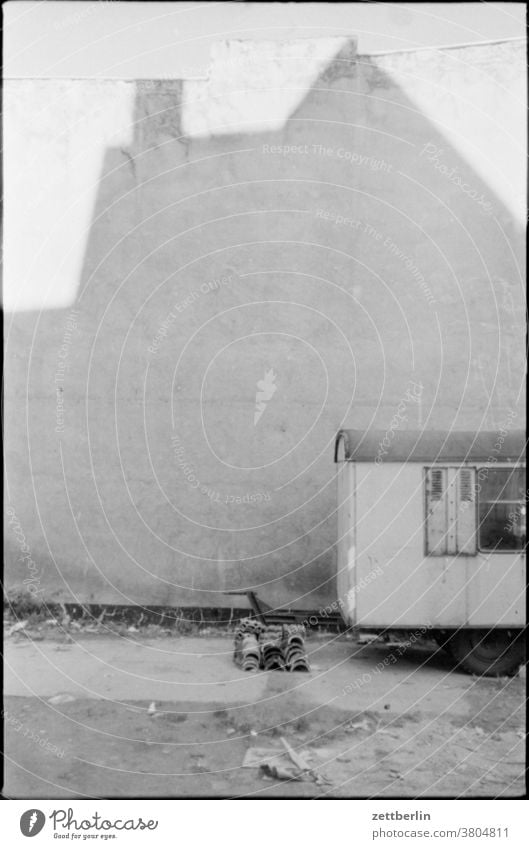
450 521
466 488
437 489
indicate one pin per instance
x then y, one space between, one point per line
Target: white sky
104 38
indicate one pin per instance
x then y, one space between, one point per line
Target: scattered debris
364 726
18 626
295 757
285 764
254 758
365 639
299 761
281 772
61 699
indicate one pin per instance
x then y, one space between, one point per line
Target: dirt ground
372 721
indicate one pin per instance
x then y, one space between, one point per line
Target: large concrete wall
334 247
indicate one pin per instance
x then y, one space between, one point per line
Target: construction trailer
431 537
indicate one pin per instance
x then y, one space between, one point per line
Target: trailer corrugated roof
399 446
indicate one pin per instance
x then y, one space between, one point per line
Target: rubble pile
259 646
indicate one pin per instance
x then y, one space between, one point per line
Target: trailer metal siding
459 589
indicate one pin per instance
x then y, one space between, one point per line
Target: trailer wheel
491 653
442 638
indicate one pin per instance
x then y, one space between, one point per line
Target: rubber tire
442 638
488 653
